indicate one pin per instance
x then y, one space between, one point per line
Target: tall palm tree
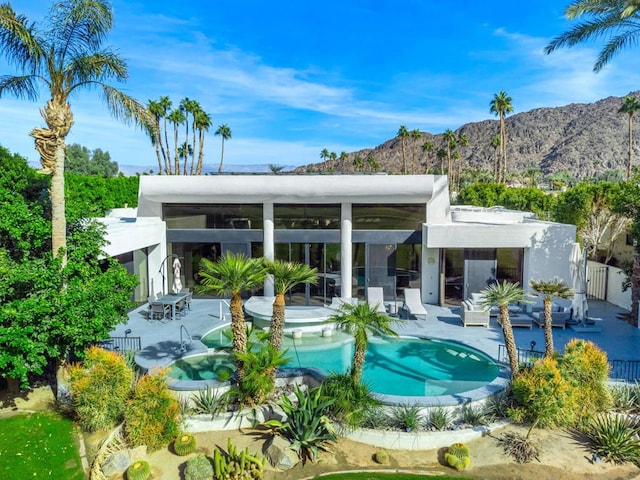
324 155
201 123
358 163
344 156
64 54
501 105
441 154
361 321
450 142
495 143
165 104
373 164
427 148
286 275
549 290
501 295
231 275
177 118
403 133
630 106
415 136
155 132
616 21
225 133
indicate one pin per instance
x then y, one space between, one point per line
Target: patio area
163 341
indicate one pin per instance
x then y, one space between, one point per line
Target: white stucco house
359 231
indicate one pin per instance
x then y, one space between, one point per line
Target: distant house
359 231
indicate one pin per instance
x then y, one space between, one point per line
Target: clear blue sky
293 77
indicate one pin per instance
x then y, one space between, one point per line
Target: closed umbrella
177 283
578 268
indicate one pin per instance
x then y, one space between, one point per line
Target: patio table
171 300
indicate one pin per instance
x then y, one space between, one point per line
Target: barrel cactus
139 470
184 444
458 456
381 457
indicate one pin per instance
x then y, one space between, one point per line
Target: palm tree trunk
404 159
58 218
629 164
276 328
166 150
186 146
503 146
239 330
357 363
176 158
509 340
200 152
635 288
548 334
221 157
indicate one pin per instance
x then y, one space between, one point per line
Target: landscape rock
280 455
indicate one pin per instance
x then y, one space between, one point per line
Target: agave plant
307 425
406 417
615 438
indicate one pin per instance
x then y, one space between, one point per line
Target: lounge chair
413 303
375 299
558 318
474 315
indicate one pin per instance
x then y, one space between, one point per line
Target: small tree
549 290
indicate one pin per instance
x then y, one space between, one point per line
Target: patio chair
159 310
375 299
413 303
181 308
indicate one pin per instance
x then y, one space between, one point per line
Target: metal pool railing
121 344
624 370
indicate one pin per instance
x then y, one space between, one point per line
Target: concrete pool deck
161 340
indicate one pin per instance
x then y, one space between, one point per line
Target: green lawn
39 445
384 476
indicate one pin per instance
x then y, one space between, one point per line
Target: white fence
605 283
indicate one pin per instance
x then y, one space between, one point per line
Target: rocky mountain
582 139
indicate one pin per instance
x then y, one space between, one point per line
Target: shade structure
177 283
578 268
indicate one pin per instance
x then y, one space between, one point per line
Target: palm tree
495 143
231 275
155 110
188 106
333 156
501 105
415 136
450 144
427 148
361 320
225 133
65 55
201 123
324 155
286 275
403 133
441 154
177 118
549 290
630 106
501 295
373 164
614 20
344 156
358 163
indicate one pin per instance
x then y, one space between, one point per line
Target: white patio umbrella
177 283
578 268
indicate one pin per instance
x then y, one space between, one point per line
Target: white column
268 243
346 261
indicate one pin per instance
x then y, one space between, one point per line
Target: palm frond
97 66
19 41
20 87
79 26
125 108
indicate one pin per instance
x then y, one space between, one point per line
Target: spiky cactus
184 444
139 470
458 456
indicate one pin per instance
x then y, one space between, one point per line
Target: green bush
307 426
615 438
458 456
353 403
586 368
543 397
152 415
438 418
99 388
139 470
184 444
198 468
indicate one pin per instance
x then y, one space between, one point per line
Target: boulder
280 454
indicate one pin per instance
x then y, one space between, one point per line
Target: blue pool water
402 366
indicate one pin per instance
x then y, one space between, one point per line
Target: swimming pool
402 367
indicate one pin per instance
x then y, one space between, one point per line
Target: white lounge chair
413 303
375 299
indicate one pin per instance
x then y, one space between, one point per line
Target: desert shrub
307 425
497 405
184 444
586 368
237 465
376 418
543 397
474 415
521 448
152 415
139 470
406 417
198 468
381 457
438 418
625 397
458 456
614 438
99 387
353 403
209 402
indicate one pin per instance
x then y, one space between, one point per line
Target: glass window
307 217
219 216
389 217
